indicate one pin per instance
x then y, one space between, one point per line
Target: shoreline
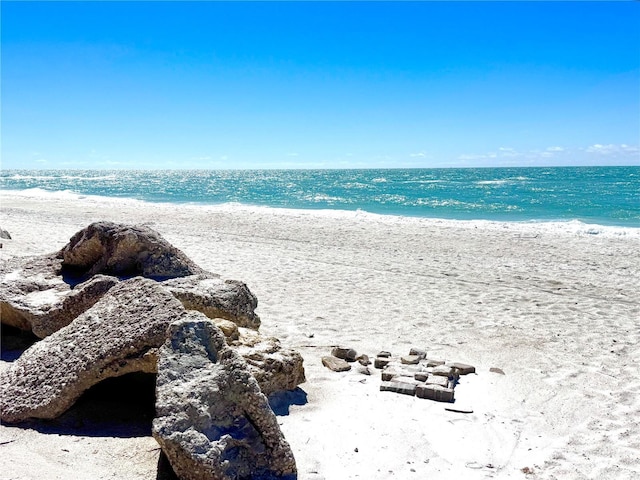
569 227
556 311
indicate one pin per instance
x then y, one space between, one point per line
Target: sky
209 85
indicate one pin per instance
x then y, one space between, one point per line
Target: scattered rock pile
117 299
414 374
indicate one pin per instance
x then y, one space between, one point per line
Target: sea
607 196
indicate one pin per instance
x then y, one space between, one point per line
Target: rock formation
112 338
45 293
120 334
124 250
216 298
99 317
213 422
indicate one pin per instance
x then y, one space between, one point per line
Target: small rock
4 234
497 370
398 387
421 376
345 353
335 364
364 370
363 359
419 352
437 380
381 362
410 359
434 363
443 370
435 392
229 329
463 368
384 354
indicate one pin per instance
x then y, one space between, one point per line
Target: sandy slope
557 307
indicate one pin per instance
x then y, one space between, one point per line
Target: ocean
592 195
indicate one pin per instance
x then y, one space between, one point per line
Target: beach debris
345 353
410 359
212 420
459 409
419 352
381 362
335 364
363 359
404 388
412 374
4 234
463 368
435 392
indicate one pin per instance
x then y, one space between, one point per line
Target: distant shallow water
593 195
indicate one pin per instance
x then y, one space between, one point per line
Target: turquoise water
597 195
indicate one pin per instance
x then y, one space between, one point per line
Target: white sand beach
555 306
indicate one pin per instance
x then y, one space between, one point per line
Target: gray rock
114 337
443 370
384 354
497 370
213 422
437 380
419 352
34 295
216 298
275 368
124 250
434 363
381 362
399 387
410 359
363 359
435 392
463 368
4 234
345 353
335 364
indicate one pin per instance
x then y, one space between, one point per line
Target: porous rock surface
45 293
124 250
275 368
212 421
121 334
216 298
112 338
34 295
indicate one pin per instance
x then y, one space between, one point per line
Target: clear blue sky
324 84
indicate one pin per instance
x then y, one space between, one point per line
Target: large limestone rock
45 293
212 421
121 334
33 296
114 337
124 250
216 298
